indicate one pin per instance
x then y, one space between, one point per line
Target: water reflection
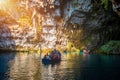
24 66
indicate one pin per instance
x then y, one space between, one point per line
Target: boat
48 61
52 58
86 51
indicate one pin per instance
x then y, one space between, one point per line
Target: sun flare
2 1
3 4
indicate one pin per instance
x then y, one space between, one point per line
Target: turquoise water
28 66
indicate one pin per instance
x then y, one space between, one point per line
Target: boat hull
53 61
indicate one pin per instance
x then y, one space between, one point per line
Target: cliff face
84 23
97 25
5 33
34 26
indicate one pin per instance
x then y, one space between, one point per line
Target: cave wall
98 25
83 22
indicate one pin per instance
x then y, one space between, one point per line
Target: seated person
51 56
56 57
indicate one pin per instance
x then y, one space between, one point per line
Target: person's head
54 48
52 52
45 56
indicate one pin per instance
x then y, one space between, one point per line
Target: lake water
74 66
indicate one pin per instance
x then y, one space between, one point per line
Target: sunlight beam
3 1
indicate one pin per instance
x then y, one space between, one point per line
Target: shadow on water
73 66
4 64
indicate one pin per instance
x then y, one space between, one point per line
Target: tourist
48 57
51 56
56 57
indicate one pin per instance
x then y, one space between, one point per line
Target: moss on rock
112 47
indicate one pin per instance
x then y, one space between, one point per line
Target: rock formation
84 23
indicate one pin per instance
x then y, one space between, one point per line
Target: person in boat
46 59
86 51
47 56
57 53
56 57
51 56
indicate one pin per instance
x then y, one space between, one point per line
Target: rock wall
97 24
116 6
82 22
6 38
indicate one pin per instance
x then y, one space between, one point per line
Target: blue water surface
73 66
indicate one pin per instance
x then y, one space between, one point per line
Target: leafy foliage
105 3
111 46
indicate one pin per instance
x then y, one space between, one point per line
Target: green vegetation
105 3
112 47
